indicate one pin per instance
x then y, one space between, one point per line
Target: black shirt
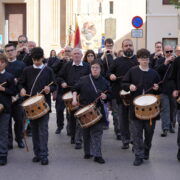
5 96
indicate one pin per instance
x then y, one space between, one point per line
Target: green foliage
176 3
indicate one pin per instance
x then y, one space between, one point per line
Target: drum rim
93 105
144 95
66 94
31 98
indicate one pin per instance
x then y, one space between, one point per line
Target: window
111 7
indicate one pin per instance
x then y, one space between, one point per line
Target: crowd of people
96 79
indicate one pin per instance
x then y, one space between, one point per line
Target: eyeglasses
90 55
95 67
170 51
22 41
10 50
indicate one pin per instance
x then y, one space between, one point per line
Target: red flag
77 39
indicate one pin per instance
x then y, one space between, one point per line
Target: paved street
67 163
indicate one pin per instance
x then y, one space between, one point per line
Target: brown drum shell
147 112
178 100
68 103
1 108
37 109
88 117
126 99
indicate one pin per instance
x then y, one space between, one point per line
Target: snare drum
1 108
146 106
68 97
125 96
35 107
88 115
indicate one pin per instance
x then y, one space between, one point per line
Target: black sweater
5 97
88 94
120 67
71 74
143 80
28 77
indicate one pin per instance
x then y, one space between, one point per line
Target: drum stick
119 77
160 82
28 95
3 83
47 85
99 96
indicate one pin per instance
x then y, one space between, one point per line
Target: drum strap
92 82
36 80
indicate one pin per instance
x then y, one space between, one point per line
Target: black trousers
4 124
40 136
141 143
18 116
60 111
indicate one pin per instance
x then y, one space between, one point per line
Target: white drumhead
68 95
145 100
32 100
124 92
84 109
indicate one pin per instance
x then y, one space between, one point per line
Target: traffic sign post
137 23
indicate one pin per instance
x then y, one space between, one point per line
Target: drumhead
84 109
32 100
124 92
145 100
68 95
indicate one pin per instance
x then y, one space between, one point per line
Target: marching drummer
141 80
35 79
7 89
90 87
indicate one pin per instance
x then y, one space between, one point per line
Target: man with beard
118 69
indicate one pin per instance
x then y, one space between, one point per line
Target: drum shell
37 109
1 108
126 98
68 102
89 117
149 111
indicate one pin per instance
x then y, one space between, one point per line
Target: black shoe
125 146
78 146
164 133
178 155
44 161
10 146
3 160
118 137
58 131
171 130
146 154
87 156
99 160
20 144
72 141
35 159
138 161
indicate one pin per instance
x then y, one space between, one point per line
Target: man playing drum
141 80
91 87
7 89
35 79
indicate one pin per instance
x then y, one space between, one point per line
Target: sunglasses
10 50
22 41
169 51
